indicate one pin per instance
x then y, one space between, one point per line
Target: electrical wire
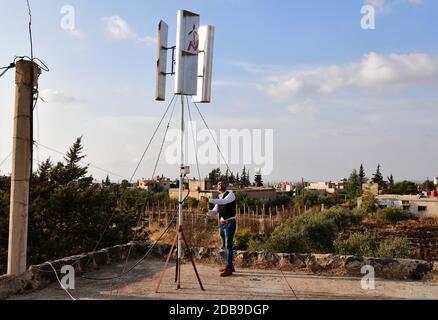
147 253
211 134
139 261
83 162
5 159
194 141
113 213
152 138
60 283
30 29
6 69
290 286
164 141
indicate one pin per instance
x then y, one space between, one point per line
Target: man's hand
204 199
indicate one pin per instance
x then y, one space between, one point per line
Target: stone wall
39 276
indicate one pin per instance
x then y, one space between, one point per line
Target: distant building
371 187
208 190
417 205
330 187
284 187
160 183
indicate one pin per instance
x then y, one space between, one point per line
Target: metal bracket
173 61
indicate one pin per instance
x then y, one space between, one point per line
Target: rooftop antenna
192 60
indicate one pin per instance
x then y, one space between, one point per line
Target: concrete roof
245 284
405 197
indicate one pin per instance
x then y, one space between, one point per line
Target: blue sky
335 94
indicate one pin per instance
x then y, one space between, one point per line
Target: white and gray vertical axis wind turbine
191 64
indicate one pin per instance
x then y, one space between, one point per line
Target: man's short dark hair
223 181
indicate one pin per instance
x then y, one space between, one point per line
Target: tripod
174 247
180 237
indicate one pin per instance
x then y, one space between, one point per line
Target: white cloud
308 110
375 73
386 6
59 97
117 28
75 33
150 41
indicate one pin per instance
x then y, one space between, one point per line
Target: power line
6 69
5 159
30 29
89 164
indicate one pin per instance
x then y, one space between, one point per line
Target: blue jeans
227 232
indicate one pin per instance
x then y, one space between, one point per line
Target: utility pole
26 79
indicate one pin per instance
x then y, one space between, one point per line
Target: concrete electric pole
26 79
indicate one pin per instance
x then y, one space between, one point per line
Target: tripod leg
167 262
189 253
177 263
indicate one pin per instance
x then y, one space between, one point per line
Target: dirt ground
245 284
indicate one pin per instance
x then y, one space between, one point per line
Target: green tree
369 202
258 180
405 188
232 178
427 186
378 177
226 177
362 176
214 176
354 186
391 183
244 178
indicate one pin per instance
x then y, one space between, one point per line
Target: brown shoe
224 269
227 273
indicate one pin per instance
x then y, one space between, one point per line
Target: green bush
359 244
242 239
257 244
310 232
394 248
342 217
391 215
369 202
367 245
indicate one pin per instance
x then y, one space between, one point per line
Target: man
225 207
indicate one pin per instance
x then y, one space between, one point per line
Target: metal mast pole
181 196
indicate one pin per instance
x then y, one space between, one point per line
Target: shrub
359 244
242 239
391 215
367 245
394 248
369 202
257 244
310 232
283 242
342 217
